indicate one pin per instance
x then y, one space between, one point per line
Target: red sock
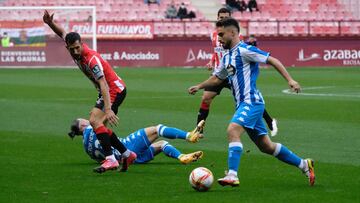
204 106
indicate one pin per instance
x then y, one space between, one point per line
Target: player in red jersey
211 92
112 92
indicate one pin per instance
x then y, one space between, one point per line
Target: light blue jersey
93 148
240 66
136 142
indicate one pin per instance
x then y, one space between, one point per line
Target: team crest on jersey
230 70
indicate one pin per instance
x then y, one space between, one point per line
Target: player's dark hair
227 22
72 37
74 128
223 10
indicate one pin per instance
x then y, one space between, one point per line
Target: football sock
171 133
203 112
104 139
115 142
126 154
111 157
170 151
287 156
302 165
235 150
268 119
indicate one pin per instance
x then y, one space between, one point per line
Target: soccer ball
201 179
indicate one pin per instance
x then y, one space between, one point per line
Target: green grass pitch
39 163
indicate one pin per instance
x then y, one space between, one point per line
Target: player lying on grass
142 142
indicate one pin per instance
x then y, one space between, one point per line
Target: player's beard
76 56
227 44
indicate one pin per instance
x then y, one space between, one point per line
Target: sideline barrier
185 53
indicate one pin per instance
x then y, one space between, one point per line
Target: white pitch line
288 91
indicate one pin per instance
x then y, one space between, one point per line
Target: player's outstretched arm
295 86
49 19
211 81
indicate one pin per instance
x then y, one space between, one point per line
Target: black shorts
218 88
115 105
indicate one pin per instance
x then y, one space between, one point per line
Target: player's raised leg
282 153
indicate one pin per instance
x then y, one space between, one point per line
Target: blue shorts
250 117
139 143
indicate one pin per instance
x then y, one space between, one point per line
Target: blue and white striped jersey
241 66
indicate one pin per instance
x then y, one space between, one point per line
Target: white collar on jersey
232 49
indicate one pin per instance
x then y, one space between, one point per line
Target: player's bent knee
267 149
206 100
162 144
158 128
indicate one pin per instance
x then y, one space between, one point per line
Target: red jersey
95 67
218 50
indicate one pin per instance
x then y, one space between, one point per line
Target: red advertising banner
186 53
118 30
315 52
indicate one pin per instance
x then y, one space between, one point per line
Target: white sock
126 154
303 165
187 135
232 172
111 157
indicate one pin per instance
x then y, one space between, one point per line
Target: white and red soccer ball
201 179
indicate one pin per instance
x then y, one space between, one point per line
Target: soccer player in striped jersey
211 92
240 66
143 142
111 89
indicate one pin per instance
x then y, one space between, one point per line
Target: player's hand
193 89
294 86
209 66
47 18
111 117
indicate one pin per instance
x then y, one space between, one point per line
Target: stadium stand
276 17
301 17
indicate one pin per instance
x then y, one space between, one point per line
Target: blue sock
235 150
285 155
171 133
170 151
